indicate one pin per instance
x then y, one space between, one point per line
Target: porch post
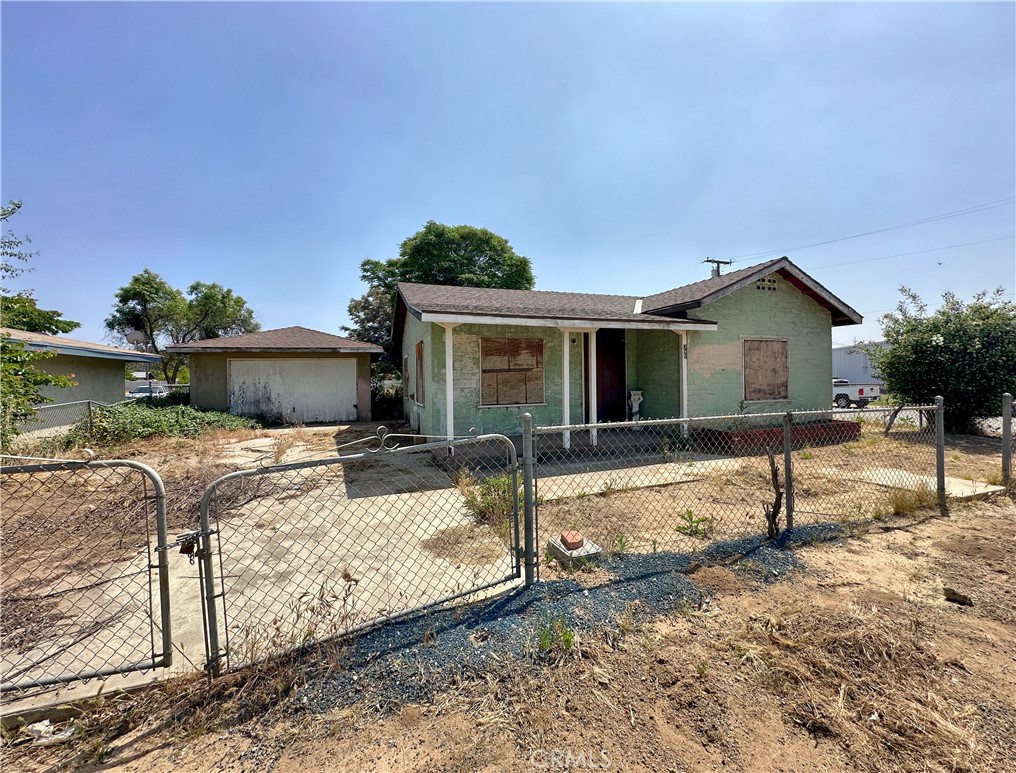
566 385
449 385
592 384
684 379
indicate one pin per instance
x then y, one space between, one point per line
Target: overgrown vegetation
964 351
143 419
489 500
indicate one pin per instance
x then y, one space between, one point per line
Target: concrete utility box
571 547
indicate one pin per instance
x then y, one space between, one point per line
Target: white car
148 391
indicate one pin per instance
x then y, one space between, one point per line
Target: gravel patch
412 659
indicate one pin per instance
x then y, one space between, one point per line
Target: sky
271 147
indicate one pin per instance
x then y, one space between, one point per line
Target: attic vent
769 283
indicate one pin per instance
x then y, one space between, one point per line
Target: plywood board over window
766 370
419 373
511 371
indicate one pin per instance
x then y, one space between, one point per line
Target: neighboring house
758 338
854 365
292 375
97 369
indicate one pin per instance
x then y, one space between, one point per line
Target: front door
611 386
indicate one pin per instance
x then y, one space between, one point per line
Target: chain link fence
85 583
54 418
677 485
298 553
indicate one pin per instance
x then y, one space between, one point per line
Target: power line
915 252
956 213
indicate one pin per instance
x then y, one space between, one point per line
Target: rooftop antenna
716 265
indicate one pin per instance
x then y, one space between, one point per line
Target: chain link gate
85 571
296 554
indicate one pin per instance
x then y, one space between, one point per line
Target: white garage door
294 391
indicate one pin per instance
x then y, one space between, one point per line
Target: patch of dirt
467 544
717 578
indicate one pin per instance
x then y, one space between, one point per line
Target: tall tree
21 381
964 351
460 255
166 315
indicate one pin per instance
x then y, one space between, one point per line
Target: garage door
294 391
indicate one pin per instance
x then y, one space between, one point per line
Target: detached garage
293 375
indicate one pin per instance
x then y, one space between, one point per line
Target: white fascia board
570 324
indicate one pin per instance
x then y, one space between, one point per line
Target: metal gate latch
187 543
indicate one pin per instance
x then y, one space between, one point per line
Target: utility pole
716 265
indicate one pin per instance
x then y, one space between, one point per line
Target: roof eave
294 350
571 322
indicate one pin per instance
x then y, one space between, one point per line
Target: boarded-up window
511 371
419 373
765 370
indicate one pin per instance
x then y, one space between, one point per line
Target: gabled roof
528 304
285 339
697 294
61 345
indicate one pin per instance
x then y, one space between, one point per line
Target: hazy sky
271 147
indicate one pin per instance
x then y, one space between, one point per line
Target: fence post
213 664
788 469
940 449
1006 439
528 498
89 403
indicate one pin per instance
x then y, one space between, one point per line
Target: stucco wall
657 371
715 377
209 376
97 379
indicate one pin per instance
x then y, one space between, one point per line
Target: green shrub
146 419
490 500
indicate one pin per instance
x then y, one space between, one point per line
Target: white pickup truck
846 394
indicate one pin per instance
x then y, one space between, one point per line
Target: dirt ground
855 662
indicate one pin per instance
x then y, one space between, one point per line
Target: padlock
187 548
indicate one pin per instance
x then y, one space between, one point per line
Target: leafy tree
460 255
964 351
20 381
165 315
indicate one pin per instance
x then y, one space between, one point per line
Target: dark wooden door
611 389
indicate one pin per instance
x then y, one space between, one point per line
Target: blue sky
271 147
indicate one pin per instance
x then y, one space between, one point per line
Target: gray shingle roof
522 303
71 346
662 307
696 292
295 339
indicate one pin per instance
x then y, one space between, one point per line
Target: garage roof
285 339
60 345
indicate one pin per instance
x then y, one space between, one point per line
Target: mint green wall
657 371
715 379
420 417
505 419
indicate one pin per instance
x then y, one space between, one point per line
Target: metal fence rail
674 485
299 553
85 574
55 417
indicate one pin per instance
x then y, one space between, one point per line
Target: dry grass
870 680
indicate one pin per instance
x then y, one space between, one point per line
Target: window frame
418 391
744 369
542 368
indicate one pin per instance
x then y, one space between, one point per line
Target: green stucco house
757 339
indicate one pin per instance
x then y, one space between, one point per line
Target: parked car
846 394
148 391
